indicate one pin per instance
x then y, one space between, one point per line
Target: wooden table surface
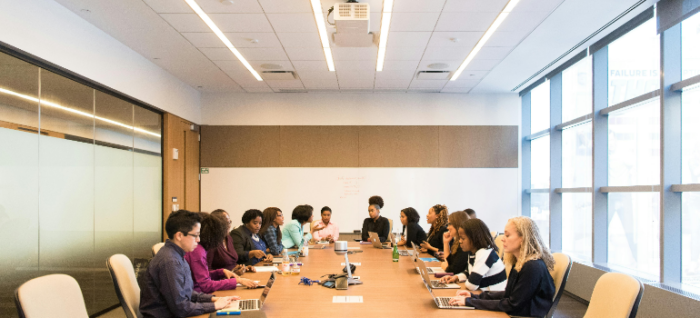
388 289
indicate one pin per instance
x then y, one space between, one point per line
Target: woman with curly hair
375 222
530 288
437 217
212 233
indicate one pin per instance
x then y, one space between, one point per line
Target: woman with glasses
224 255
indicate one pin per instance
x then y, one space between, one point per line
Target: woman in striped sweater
485 270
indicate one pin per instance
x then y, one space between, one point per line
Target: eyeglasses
196 236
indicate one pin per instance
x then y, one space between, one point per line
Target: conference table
389 289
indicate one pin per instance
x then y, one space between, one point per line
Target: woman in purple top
224 254
213 231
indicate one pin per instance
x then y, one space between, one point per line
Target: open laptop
431 270
441 302
376 242
252 304
433 283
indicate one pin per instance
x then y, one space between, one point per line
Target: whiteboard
492 193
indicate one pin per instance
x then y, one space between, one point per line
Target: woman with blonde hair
437 217
530 288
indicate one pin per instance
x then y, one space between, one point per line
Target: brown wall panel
479 146
399 146
240 146
319 146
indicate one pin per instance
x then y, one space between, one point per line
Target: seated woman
224 255
375 223
249 246
456 259
413 233
485 269
437 217
530 287
212 232
270 231
325 230
293 232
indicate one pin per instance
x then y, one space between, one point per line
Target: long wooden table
388 289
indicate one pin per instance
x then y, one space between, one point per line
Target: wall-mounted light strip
222 37
321 25
496 23
384 35
75 111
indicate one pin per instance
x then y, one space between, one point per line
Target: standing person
485 269
456 259
213 231
437 217
325 229
271 231
375 222
249 246
293 232
530 288
167 289
224 255
413 234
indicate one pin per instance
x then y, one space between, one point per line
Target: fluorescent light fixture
384 35
496 23
75 111
222 37
321 25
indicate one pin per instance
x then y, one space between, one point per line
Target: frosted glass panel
19 89
147 202
114 120
114 202
148 130
67 107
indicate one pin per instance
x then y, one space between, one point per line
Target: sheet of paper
263 269
347 299
429 259
353 263
239 284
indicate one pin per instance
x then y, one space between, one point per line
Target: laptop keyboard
437 284
248 304
430 270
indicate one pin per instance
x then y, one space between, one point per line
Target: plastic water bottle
286 270
395 254
305 249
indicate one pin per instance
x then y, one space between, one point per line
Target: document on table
347 299
353 263
239 284
263 269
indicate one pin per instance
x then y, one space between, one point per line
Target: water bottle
285 263
395 254
305 249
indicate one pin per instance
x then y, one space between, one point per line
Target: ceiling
283 34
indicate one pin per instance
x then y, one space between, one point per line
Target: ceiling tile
451 65
411 22
305 54
253 40
186 22
493 52
354 65
292 22
263 54
445 54
168 6
375 22
282 65
285 84
320 83
462 83
310 65
475 5
232 22
394 75
354 53
519 20
465 21
404 53
305 75
218 54
245 79
418 6
400 65
428 83
233 66
367 75
384 83
309 40
286 6
258 89
472 75
482 64
404 39
355 83
454 39
500 38
537 5
238 6
204 39
458 90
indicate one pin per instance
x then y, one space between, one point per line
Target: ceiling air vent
278 75
433 75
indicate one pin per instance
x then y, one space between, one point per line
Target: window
539 212
577 144
539 202
577 231
540 108
690 46
577 90
691 174
633 232
633 64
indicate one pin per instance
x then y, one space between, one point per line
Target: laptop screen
267 289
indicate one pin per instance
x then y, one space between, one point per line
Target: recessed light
156 58
85 10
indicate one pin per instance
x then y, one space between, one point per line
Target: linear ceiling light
384 36
222 37
321 24
75 111
496 23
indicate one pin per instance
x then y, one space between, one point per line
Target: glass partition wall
80 180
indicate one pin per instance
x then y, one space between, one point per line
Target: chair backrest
124 279
560 273
499 243
391 226
494 234
56 295
615 295
156 248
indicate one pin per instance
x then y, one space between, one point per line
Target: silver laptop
441 302
253 304
431 270
433 283
376 242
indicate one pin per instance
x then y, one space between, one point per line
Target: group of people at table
201 256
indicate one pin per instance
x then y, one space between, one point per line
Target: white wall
360 109
48 30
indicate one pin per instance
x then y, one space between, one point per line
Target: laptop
441 302
376 242
433 283
252 304
431 270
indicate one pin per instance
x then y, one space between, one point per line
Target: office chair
56 295
156 248
560 274
122 271
615 295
